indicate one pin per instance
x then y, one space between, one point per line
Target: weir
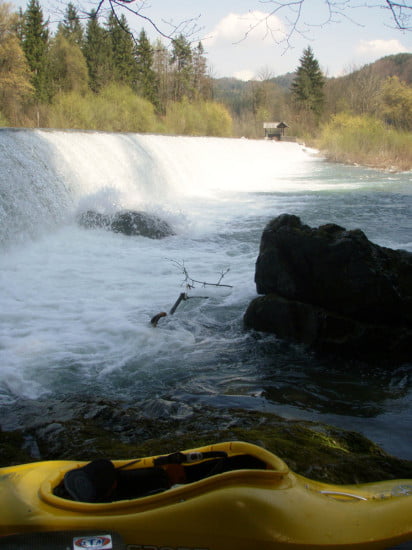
46 176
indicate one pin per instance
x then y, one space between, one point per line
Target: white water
76 304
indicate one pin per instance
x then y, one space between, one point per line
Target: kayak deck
242 499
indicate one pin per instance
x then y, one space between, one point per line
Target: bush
3 120
366 140
203 118
116 109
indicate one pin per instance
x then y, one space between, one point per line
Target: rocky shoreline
69 429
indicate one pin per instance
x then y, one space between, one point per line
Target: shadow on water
290 375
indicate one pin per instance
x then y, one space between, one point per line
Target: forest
94 74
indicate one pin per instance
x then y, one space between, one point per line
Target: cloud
379 48
244 75
255 26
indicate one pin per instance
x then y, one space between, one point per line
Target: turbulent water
76 303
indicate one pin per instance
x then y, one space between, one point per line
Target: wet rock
128 222
121 431
162 408
333 290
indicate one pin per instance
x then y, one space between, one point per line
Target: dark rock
128 222
333 290
119 431
140 223
92 220
328 332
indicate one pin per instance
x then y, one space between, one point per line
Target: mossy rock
113 430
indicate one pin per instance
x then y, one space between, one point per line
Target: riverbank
69 429
365 141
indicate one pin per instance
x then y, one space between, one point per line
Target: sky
248 39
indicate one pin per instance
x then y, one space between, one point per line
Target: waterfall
47 176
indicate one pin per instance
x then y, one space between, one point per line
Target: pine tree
35 42
147 81
98 53
182 62
71 27
122 46
201 82
161 67
308 85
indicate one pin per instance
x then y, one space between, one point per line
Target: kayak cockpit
102 481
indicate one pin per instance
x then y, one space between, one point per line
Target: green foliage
68 68
366 140
71 27
308 85
15 86
203 118
181 61
117 108
396 103
35 41
147 84
122 50
98 53
201 82
3 120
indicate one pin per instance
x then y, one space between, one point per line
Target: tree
147 81
297 14
161 67
35 41
201 82
68 67
308 85
396 103
357 92
181 61
15 86
71 27
98 53
122 50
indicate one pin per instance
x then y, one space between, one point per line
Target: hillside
234 92
399 65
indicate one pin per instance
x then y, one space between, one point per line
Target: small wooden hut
274 130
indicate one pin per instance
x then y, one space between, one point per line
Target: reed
366 140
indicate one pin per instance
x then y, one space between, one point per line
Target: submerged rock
333 290
128 222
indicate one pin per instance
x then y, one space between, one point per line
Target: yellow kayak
228 496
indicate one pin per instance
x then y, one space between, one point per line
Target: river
76 303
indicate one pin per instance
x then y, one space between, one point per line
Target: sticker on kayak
97 542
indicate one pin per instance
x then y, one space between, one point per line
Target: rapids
76 304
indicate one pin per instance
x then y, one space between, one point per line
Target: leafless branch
191 283
299 21
400 14
187 27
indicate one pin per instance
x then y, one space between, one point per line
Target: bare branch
300 22
191 283
400 14
187 27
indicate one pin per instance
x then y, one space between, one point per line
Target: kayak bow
221 497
